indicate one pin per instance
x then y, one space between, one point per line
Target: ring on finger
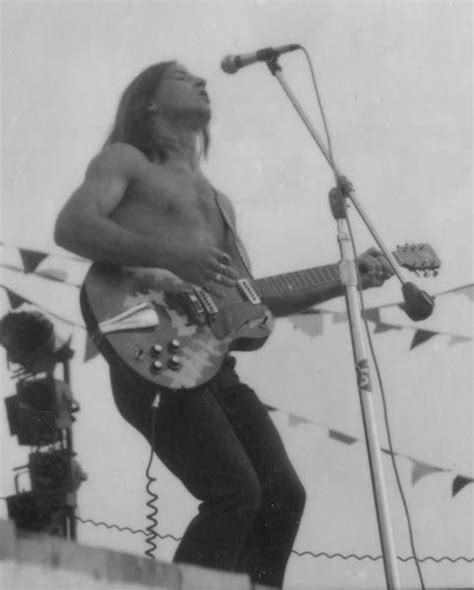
218 277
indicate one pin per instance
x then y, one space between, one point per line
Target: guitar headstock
420 258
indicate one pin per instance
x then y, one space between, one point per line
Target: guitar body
170 339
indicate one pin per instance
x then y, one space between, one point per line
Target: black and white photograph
237 290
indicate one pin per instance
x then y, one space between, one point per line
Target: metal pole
70 449
350 281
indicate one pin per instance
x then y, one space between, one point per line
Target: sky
396 83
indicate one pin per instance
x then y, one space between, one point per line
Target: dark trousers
221 443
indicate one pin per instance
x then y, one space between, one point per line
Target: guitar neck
282 284
325 276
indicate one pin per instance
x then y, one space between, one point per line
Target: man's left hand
374 268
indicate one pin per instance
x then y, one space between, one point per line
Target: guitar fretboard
300 279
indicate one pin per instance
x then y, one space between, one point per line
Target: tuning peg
426 273
435 273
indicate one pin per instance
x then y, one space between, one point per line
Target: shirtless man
145 202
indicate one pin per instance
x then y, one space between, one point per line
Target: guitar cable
151 533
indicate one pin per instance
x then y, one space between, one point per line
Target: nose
200 83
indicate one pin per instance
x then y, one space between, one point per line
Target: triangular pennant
270 408
339 317
373 315
296 420
467 291
31 259
91 350
15 300
457 339
309 324
342 437
420 337
460 482
53 274
420 470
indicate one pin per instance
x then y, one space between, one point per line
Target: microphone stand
418 305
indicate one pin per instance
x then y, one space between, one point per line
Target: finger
220 278
223 280
225 258
225 270
386 268
367 264
221 256
211 289
372 252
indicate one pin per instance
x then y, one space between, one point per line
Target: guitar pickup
207 302
248 291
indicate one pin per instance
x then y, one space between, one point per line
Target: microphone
232 63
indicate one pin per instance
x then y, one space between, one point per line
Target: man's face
181 95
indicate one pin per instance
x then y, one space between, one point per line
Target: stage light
49 507
55 472
41 513
40 410
31 342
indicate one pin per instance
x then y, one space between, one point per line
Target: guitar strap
237 242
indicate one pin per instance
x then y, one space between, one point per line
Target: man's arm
84 226
374 270
284 305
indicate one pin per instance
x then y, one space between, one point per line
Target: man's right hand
206 266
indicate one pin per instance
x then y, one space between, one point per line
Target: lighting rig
40 414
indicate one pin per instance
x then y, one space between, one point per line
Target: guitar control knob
156 366
174 344
156 349
174 362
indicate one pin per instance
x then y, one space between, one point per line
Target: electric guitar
175 334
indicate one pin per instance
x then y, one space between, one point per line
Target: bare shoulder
118 159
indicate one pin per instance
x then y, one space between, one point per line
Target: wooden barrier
29 560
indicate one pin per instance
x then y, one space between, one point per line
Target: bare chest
174 199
